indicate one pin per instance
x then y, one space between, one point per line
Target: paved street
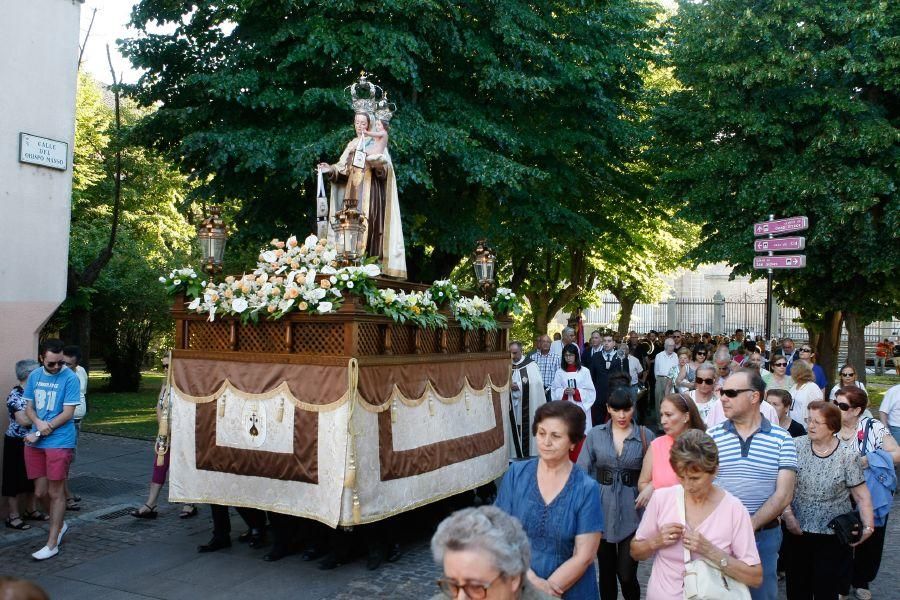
109 555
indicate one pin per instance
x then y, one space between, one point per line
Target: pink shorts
52 463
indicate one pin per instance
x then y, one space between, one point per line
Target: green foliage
791 108
519 121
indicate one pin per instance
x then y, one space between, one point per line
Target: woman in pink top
716 525
678 414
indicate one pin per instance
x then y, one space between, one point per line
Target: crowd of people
741 460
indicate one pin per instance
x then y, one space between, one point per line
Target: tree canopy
519 121
791 108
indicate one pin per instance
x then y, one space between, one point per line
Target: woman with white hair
16 485
485 554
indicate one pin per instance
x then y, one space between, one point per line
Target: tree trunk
626 306
828 344
539 309
856 343
81 334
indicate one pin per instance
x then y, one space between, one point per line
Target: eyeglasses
734 393
784 364
56 363
707 381
805 349
842 405
813 422
476 591
847 374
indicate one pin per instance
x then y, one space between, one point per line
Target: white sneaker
863 594
45 553
62 532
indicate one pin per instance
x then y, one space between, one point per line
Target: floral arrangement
506 302
443 292
183 281
416 307
474 313
294 276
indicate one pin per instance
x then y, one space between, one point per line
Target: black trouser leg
221 522
253 517
285 530
867 559
818 564
606 563
626 569
617 568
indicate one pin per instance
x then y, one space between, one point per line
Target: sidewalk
109 555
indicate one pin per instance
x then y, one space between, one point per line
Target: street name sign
780 244
787 261
43 151
780 226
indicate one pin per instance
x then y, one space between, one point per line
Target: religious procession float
323 384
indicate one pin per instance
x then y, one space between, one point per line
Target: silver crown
384 110
367 102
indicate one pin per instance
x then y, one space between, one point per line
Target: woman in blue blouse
559 506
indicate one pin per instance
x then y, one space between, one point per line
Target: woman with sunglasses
806 354
677 415
613 454
804 390
704 392
686 373
847 375
866 435
777 378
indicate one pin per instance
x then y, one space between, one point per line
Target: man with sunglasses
51 393
758 465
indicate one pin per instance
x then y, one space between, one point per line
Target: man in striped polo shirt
758 465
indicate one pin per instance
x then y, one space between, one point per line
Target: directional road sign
780 244
780 226
788 261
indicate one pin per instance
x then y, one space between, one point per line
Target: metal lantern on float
212 236
484 262
348 226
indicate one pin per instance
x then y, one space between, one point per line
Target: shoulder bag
702 580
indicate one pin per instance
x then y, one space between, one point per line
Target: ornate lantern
349 227
212 235
484 262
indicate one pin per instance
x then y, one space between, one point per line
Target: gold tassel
394 411
221 407
279 414
350 477
466 399
430 406
357 511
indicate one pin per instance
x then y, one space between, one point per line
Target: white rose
324 307
350 284
269 256
371 270
239 305
311 241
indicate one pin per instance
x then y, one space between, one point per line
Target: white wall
38 59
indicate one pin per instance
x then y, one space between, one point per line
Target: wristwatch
723 562
868 528
37 434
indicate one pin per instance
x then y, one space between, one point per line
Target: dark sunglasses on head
842 405
707 381
734 393
784 364
56 363
847 374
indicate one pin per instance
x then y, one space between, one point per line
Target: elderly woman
678 415
678 374
716 526
16 485
781 401
687 372
558 504
485 554
829 473
866 435
613 454
573 383
704 392
804 390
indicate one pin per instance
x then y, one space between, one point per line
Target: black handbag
848 527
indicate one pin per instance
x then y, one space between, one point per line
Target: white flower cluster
285 280
473 307
505 294
179 276
413 302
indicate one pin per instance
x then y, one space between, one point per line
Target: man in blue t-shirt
52 393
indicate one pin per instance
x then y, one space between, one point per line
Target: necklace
822 453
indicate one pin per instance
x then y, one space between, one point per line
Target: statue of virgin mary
365 170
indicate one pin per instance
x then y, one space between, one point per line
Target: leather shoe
276 554
258 540
375 558
312 554
331 561
214 544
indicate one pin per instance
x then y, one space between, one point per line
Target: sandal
150 513
35 515
190 512
72 504
17 523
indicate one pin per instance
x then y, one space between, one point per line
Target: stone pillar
38 60
775 319
672 312
718 314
